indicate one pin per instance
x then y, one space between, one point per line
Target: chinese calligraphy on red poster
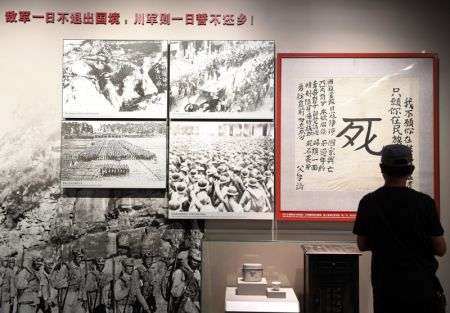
336 114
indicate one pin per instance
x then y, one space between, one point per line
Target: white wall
31 68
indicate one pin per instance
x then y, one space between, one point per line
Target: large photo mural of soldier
222 79
107 254
114 79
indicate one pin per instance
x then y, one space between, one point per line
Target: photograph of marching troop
110 154
221 170
99 252
222 79
114 79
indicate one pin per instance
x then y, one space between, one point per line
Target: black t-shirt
398 223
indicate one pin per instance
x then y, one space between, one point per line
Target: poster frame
345 216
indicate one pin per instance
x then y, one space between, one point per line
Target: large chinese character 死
360 129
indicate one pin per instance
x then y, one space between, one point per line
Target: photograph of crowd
222 79
114 79
107 154
221 170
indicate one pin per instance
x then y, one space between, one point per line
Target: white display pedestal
236 303
252 288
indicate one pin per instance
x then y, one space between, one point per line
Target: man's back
398 223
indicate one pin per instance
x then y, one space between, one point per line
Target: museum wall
31 104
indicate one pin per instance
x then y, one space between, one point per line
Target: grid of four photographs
215 97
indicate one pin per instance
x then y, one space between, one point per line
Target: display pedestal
250 288
238 303
280 294
332 278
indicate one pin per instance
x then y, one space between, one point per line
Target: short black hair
397 171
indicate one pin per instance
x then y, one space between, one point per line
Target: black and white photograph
110 154
221 170
90 240
222 79
115 79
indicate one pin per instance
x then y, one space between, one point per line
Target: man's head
194 258
128 265
77 256
12 262
100 264
48 266
224 180
232 192
5 262
203 184
37 263
147 259
396 161
253 183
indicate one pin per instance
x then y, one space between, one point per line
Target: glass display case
282 261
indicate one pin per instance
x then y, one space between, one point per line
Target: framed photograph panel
221 170
112 154
115 79
222 79
335 112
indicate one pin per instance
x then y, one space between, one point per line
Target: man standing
69 280
7 286
402 229
185 293
48 305
13 292
29 284
144 274
98 288
126 289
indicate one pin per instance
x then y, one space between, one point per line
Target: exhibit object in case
238 303
226 168
335 112
252 272
113 154
115 79
222 79
253 294
222 264
331 278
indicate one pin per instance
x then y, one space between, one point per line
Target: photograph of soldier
143 273
49 303
109 154
30 283
69 281
98 284
114 79
226 79
7 285
221 170
127 290
186 282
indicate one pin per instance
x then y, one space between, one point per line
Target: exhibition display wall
97 120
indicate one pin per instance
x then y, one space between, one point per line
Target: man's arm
362 243
439 245
177 284
121 289
22 279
